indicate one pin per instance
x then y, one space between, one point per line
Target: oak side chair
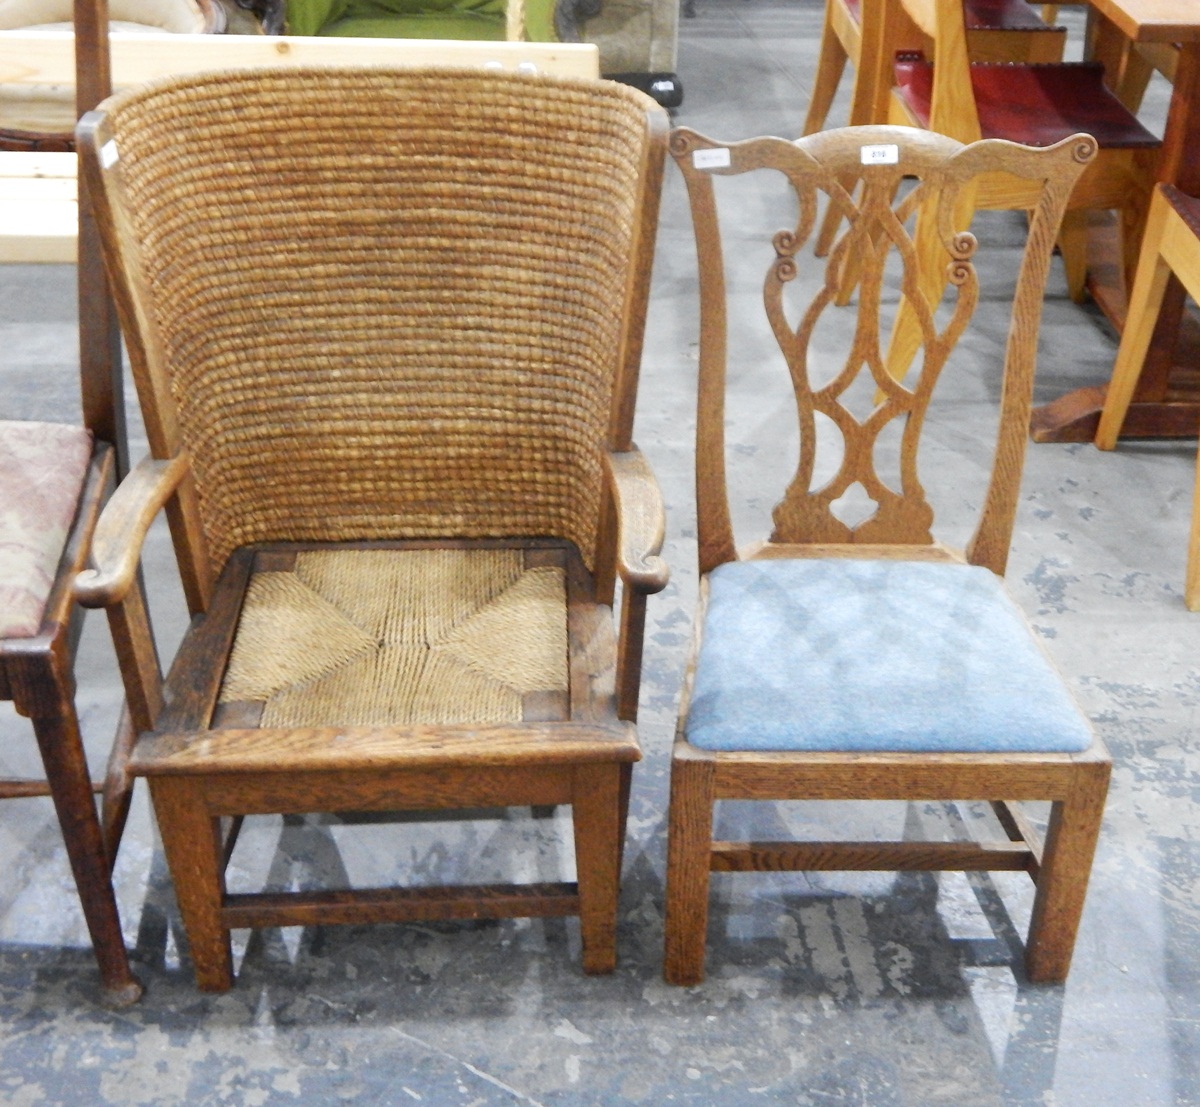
867 660
1036 105
53 480
386 329
1171 246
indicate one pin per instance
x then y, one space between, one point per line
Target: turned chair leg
192 842
61 746
1063 876
689 849
597 817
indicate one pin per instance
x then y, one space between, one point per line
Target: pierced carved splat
875 227
914 209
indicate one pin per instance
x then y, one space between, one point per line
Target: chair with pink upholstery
53 480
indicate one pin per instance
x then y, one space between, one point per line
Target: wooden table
1166 403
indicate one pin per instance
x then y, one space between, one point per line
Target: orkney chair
864 659
386 330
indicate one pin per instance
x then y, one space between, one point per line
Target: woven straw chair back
385 304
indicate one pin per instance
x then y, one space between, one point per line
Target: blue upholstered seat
838 654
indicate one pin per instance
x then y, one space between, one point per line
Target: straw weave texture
398 637
391 301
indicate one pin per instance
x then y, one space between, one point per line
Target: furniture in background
1165 404
868 34
863 659
389 401
1170 251
53 480
38 217
42 116
515 20
1035 105
641 53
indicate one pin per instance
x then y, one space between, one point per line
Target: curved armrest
641 521
121 530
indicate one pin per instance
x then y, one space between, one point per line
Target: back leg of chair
192 842
1072 244
596 811
1063 876
1145 303
831 64
689 851
57 728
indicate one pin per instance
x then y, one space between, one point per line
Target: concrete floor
876 990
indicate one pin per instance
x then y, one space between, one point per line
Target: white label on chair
108 154
880 155
710 159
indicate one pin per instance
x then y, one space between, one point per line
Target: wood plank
869 856
380 905
1152 20
437 789
47 57
42 226
1017 826
927 776
19 788
300 749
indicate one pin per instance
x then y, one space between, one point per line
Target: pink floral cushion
42 468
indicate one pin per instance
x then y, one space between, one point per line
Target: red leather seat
1037 105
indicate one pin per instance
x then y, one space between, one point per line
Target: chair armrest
641 521
121 529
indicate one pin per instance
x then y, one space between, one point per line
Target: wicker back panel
390 301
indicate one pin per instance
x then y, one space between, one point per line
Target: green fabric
453 19
453 25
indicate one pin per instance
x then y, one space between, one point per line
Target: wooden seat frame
201 770
805 525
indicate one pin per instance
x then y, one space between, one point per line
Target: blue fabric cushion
836 654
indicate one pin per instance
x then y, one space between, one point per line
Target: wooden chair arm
641 521
121 530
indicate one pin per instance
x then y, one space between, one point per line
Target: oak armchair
852 655
387 370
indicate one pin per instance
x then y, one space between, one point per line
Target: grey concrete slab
824 989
